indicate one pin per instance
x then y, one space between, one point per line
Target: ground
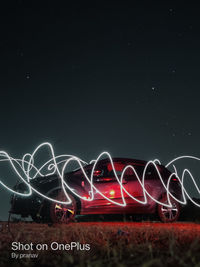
111 244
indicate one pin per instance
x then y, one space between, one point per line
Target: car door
134 193
109 188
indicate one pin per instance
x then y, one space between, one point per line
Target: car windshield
106 169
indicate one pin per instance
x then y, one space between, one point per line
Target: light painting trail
26 170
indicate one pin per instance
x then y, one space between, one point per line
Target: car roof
127 161
124 160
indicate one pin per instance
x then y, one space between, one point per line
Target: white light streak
57 165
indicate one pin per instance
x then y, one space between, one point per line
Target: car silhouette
109 200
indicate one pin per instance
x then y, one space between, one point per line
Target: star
171 11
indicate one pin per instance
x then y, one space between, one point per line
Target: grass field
112 244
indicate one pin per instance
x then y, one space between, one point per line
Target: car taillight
175 180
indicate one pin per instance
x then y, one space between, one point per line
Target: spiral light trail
26 170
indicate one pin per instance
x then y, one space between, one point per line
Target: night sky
119 76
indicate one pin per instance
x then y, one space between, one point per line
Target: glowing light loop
26 170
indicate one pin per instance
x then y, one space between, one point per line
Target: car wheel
166 214
63 213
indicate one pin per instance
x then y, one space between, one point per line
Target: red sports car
108 195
